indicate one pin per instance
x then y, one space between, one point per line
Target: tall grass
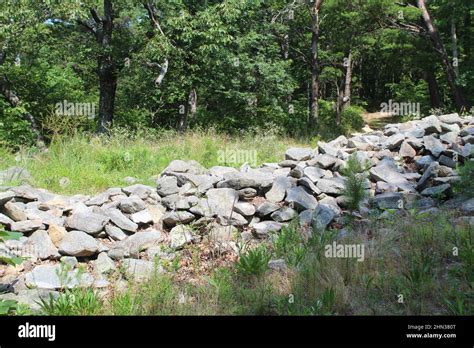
81 163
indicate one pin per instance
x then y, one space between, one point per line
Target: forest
302 68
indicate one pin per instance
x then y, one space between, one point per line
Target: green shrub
465 186
254 262
354 185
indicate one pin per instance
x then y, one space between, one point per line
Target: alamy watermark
335 250
235 156
401 108
66 108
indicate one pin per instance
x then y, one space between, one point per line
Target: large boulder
387 171
221 201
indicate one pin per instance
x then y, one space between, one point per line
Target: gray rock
142 217
299 154
424 161
115 233
266 208
140 270
313 173
179 166
247 193
430 124
244 208
322 217
467 207
220 234
450 137
447 161
387 171
86 221
433 145
278 191
121 220
5 220
389 200
221 201
136 243
142 191
436 190
180 236
26 226
407 151
309 186
284 214
331 186
78 243
430 172
262 229
451 119
42 245
325 161
104 264
5 197
14 211
167 185
254 179
70 261
277 265
132 204
55 277
177 217
394 141
300 199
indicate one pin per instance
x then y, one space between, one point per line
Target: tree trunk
107 70
314 108
346 101
435 99
435 38
190 111
454 42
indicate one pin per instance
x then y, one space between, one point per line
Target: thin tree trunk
314 108
346 101
438 45
435 98
190 111
454 41
107 71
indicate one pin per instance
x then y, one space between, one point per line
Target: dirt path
377 120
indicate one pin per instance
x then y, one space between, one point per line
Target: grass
89 164
429 261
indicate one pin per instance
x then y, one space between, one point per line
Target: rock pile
411 165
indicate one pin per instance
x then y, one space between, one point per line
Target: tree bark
459 99
346 101
107 68
190 111
435 98
454 42
314 108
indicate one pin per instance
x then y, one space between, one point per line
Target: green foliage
464 185
7 235
72 302
289 244
254 262
354 191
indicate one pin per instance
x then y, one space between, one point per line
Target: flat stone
266 208
331 186
436 190
314 173
300 199
167 185
86 221
430 172
48 277
262 229
137 242
104 264
299 154
394 141
177 217
407 151
114 232
389 200
221 201
142 217
284 214
78 243
325 161
132 204
26 226
245 209
387 171
14 211
121 221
